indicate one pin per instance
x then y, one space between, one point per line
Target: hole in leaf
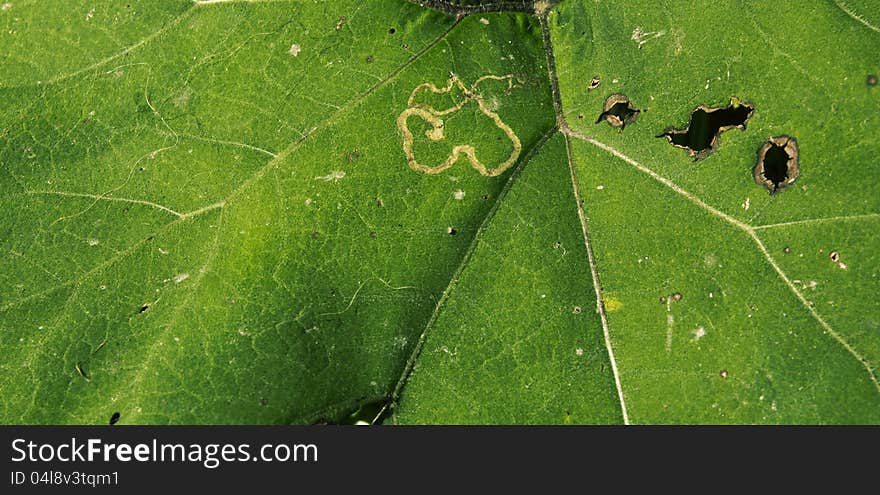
618 111
703 132
143 308
451 231
114 418
777 165
392 31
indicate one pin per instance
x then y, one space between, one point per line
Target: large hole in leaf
703 132
777 164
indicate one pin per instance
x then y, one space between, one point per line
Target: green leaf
283 212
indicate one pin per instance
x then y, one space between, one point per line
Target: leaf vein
750 231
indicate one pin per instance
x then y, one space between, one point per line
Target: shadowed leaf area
299 212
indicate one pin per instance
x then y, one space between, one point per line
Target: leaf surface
283 211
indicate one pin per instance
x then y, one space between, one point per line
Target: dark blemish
618 111
392 31
577 310
316 234
835 256
703 132
872 80
786 250
143 308
340 22
264 402
370 59
353 155
114 418
662 299
484 197
451 231
82 373
676 296
723 373
149 238
580 116
374 234
594 83
557 245
777 165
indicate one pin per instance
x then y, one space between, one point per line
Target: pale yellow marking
432 116
612 303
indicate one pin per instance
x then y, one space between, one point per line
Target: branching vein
751 232
98 197
848 11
